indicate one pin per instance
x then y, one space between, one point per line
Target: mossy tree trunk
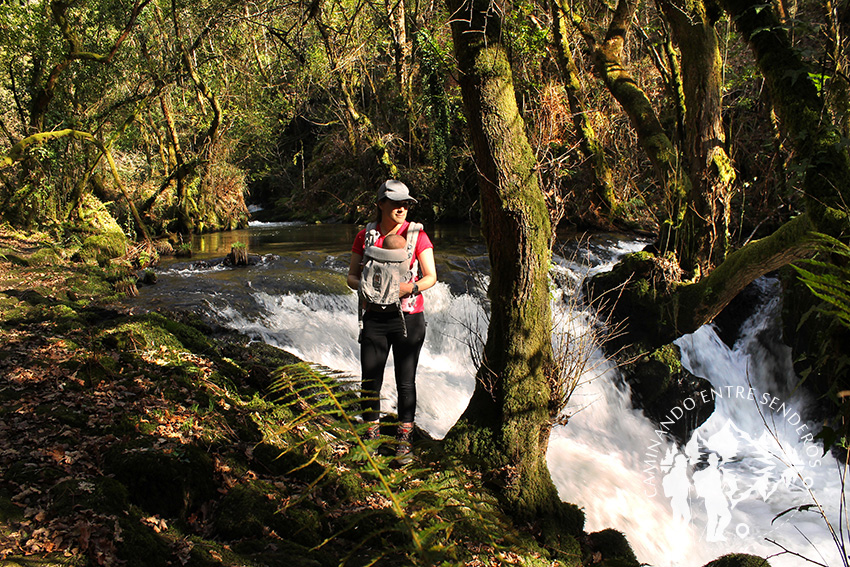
44 88
662 153
604 196
801 114
704 241
180 170
696 187
18 152
357 124
507 422
206 200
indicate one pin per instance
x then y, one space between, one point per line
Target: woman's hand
429 274
405 289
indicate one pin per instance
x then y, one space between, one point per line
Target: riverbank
155 439
140 438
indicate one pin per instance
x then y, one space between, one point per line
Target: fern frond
829 281
413 513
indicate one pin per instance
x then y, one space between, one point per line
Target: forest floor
137 438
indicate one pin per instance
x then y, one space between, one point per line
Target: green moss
92 217
351 485
14 257
561 532
193 338
103 495
68 416
126 425
140 546
56 559
47 256
9 511
101 248
251 510
85 286
739 560
141 333
244 512
476 443
611 548
96 369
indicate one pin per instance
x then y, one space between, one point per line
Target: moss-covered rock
245 512
84 285
739 560
638 290
46 256
100 248
103 495
141 546
153 329
561 533
668 393
254 510
609 548
92 217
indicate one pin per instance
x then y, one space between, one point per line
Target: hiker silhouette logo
722 477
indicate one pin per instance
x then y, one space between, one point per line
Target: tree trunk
660 150
605 198
800 111
18 151
507 422
178 163
356 123
838 91
401 46
705 239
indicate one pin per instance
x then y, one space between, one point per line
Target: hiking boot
403 451
373 432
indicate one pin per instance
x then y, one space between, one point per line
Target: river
727 490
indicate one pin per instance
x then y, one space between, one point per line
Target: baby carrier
383 271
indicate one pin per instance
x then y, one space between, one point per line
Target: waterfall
610 459
324 328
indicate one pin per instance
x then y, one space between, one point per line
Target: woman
385 330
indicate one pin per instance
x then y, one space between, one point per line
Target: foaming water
324 328
603 458
763 445
613 462
609 459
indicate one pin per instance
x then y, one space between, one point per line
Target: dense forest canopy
202 105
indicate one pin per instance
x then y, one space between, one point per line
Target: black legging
382 331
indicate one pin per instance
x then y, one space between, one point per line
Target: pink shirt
422 243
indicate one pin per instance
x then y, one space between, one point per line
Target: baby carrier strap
413 230
387 268
372 234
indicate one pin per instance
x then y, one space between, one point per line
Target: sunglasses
400 204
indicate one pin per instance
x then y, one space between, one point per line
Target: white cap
395 191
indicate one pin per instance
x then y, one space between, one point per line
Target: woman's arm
354 270
429 274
